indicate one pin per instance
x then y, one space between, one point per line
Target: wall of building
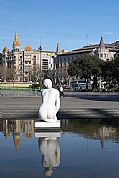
63 59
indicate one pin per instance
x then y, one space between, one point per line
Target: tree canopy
116 70
85 67
110 71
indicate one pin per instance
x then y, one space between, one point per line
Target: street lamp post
23 63
100 83
5 69
40 49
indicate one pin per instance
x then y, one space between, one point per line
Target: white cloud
108 33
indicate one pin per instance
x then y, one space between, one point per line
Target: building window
27 62
64 59
34 62
26 72
68 58
60 60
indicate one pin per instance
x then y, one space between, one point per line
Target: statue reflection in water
50 150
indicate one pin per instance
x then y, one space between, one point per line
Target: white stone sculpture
50 103
50 151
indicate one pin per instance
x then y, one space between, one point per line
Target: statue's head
47 83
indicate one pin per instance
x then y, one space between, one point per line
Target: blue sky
66 21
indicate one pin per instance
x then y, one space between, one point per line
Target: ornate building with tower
25 65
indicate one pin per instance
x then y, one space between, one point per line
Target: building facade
64 58
26 65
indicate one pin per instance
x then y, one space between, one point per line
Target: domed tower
5 50
16 44
5 54
28 48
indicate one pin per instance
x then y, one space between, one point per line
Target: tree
116 70
108 72
74 69
1 72
85 67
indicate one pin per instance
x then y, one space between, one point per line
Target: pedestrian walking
61 91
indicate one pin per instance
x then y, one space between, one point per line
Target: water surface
83 148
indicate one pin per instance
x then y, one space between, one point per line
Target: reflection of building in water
17 134
106 133
18 127
6 129
50 151
92 129
28 128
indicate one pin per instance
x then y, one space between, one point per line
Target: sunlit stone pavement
73 105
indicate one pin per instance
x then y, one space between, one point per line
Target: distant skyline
72 23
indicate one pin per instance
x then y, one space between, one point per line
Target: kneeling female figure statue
50 102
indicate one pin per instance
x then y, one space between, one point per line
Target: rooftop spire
16 43
102 45
40 47
58 48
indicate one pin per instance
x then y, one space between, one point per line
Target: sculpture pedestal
47 129
47 125
47 134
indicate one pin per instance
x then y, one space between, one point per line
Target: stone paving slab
81 106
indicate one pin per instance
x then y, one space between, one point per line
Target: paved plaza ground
73 105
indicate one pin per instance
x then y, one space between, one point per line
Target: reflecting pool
82 149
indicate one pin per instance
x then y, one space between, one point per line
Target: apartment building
27 64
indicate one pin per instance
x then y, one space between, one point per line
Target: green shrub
35 86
